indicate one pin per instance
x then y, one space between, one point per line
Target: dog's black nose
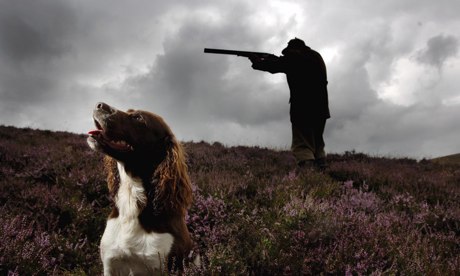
105 107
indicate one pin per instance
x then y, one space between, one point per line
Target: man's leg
303 145
320 154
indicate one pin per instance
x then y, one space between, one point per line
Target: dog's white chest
126 248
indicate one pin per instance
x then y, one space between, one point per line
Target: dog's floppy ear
113 179
173 189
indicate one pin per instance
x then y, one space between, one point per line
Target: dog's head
130 135
147 148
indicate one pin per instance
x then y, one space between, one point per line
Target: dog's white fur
126 249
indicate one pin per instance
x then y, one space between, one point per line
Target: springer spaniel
150 189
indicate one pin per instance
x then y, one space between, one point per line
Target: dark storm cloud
193 85
33 35
34 30
21 42
58 58
214 97
438 50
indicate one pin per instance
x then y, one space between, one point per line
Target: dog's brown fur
151 153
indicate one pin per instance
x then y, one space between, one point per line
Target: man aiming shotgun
307 79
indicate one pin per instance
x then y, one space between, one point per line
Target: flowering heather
252 214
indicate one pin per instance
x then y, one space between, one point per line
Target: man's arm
272 64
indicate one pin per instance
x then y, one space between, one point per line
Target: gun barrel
223 52
233 52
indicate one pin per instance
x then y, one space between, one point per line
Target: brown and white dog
150 189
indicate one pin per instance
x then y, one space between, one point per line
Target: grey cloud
34 36
20 41
193 85
350 90
438 50
363 121
418 131
31 30
52 51
58 58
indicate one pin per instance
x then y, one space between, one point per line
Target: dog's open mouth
100 137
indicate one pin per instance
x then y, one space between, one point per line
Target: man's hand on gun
254 58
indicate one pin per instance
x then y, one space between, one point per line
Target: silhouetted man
307 79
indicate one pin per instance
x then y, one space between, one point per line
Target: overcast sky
393 68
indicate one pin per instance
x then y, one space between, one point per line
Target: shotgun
247 54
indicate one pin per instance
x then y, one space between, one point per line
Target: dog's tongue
94 132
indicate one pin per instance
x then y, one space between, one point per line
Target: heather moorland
252 213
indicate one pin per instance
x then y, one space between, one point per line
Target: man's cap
296 43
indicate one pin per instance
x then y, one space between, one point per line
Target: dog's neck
131 196
135 198
142 166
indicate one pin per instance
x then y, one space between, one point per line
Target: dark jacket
307 80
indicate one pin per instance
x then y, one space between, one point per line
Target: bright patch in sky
329 53
409 82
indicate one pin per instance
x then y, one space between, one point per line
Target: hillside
453 159
252 213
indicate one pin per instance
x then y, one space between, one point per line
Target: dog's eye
138 117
